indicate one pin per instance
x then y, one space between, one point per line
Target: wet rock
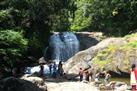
115 86
120 86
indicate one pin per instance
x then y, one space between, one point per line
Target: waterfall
62 46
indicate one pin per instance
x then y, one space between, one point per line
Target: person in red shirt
135 72
133 77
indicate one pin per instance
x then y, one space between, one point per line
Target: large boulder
88 39
36 80
15 84
84 58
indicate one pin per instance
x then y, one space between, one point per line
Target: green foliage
12 45
62 11
131 35
112 54
37 18
82 17
132 41
35 42
112 17
104 57
132 44
3 15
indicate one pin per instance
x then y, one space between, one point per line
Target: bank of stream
120 79
124 79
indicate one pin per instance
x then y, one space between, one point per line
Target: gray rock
88 39
15 84
85 57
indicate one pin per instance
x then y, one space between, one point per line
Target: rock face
84 58
37 81
63 45
88 39
14 84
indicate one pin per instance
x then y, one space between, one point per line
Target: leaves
12 43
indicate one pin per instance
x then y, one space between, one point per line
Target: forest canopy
25 25
112 17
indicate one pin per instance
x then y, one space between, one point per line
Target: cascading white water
62 46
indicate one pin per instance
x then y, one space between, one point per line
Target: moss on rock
115 58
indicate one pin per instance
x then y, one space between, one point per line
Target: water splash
32 70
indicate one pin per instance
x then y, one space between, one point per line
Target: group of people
90 74
85 73
54 69
106 75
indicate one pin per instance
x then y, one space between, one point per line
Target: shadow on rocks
15 84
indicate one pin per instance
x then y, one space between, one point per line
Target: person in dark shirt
81 72
41 70
60 69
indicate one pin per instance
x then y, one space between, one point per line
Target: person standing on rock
133 77
86 75
41 62
54 75
50 68
41 70
91 74
60 69
81 72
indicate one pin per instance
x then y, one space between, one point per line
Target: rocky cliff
88 39
112 54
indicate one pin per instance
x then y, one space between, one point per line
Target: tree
82 17
12 46
114 17
38 18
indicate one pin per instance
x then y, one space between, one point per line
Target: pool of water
126 80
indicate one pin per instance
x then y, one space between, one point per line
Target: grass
130 36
